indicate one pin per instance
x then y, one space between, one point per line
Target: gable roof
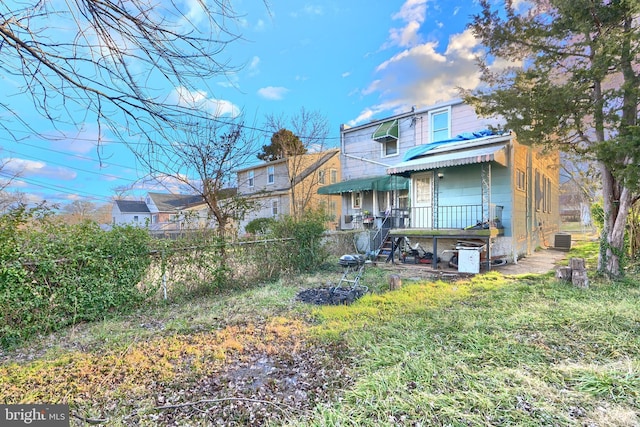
174 202
326 156
131 206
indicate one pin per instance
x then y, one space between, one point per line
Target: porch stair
385 251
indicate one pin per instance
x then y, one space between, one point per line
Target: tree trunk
395 282
564 274
617 203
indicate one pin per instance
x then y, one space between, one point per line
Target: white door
422 209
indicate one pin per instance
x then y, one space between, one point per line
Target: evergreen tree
284 143
572 83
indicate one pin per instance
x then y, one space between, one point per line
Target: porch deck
444 222
451 233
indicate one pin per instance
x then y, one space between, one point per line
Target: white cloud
369 114
424 52
273 93
346 74
193 12
199 99
31 168
461 46
412 13
424 75
254 66
412 10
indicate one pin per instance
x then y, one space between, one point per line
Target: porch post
486 191
486 205
435 199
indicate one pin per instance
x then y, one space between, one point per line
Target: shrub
303 251
260 226
53 275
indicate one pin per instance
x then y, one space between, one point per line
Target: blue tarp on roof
466 136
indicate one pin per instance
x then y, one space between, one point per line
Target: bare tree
7 175
78 211
203 158
117 61
311 128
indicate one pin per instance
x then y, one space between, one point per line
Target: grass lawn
492 350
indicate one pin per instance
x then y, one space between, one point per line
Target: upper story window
271 174
440 125
322 177
333 176
390 148
251 179
521 180
387 133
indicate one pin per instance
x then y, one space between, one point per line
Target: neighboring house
289 186
430 176
130 212
160 211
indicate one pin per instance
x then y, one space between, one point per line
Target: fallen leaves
245 374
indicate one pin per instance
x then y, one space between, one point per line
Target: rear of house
438 176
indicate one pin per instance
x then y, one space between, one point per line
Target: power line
73 167
59 188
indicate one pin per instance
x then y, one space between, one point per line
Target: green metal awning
386 130
378 183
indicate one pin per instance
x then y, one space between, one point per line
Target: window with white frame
271 174
333 176
521 180
274 208
440 125
548 195
322 177
356 200
390 148
251 179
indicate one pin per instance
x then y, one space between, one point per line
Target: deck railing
447 217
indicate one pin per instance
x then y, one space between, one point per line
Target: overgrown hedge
54 274
290 245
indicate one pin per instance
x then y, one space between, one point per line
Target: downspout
366 160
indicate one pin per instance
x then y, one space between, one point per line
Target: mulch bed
331 296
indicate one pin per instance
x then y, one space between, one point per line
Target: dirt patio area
540 262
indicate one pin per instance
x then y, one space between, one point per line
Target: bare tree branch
128 65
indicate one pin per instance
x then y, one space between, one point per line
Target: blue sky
353 61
